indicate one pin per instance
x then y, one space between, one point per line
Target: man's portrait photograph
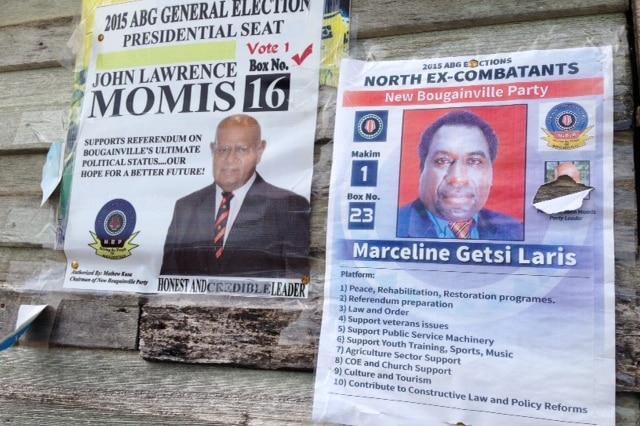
462 173
240 224
578 170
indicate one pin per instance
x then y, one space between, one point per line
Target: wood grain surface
73 386
81 386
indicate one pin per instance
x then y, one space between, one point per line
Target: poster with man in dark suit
189 163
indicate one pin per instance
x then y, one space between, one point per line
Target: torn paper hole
561 195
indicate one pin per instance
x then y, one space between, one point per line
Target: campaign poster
459 289
335 39
194 149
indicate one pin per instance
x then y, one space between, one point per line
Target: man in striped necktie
457 153
239 225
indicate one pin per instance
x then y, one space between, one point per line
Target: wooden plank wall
35 94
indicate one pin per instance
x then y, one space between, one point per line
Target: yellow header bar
200 52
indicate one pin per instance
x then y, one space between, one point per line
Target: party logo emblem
567 126
114 227
370 126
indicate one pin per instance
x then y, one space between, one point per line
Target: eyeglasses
239 150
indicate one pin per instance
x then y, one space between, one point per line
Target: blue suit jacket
413 221
269 238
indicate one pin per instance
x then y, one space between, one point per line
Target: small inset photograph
578 170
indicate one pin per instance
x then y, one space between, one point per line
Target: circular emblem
567 117
115 222
370 126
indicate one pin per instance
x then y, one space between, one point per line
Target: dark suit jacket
414 221
269 238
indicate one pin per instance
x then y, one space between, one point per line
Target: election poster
470 259
335 39
193 153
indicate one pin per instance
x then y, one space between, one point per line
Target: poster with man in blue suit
470 243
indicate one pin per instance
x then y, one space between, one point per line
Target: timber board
78 320
379 18
14 12
39 44
108 387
